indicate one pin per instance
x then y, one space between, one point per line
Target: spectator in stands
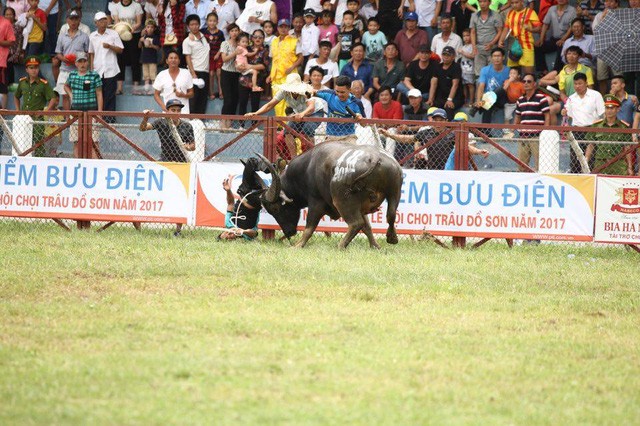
492 78
151 10
466 63
604 71
360 69
229 76
585 42
584 108
565 76
294 93
388 71
359 22
599 155
35 40
556 29
486 27
330 67
446 84
310 37
85 91
446 37
55 61
328 30
410 38
297 23
636 125
14 52
347 37
387 108
196 52
269 29
521 23
7 39
214 37
514 88
173 83
532 109
389 14
131 13
461 13
374 40
38 95
198 7
357 90
50 8
587 11
342 104
432 158
255 13
172 27
19 6
176 137
69 43
419 73
228 12
316 75
461 117
286 57
428 12
104 46
258 62
628 102
150 45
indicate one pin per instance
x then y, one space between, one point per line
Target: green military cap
611 100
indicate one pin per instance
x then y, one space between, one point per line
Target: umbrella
618 40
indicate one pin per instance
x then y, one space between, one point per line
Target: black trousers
246 95
109 86
198 103
131 56
229 83
548 46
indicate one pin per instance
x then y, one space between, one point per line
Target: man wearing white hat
294 92
104 46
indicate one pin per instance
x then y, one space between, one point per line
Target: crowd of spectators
401 57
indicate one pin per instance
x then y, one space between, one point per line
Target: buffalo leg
392 206
353 230
369 233
313 219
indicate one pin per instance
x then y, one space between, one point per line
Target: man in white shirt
104 46
330 68
228 11
446 37
584 107
428 12
196 52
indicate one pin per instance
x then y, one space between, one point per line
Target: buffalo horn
273 193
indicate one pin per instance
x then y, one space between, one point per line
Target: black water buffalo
340 180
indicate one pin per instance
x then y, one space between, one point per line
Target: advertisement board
95 189
618 210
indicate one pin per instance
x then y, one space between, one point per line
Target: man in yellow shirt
286 57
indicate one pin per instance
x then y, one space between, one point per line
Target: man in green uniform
605 152
35 94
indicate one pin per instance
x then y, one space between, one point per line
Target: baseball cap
100 15
284 22
410 16
439 112
414 93
448 50
460 116
31 61
73 14
309 12
81 56
424 48
174 102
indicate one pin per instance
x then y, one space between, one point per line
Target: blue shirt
627 108
337 108
493 79
365 73
202 11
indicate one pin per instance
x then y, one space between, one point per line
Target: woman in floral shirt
258 62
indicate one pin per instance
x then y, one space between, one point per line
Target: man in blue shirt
492 78
341 104
359 68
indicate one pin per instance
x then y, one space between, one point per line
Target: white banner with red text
618 210
101 190
471 204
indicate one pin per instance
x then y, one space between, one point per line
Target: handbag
515 51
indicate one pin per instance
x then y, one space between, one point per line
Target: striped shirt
516 21
531 111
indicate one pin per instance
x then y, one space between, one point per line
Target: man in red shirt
410 38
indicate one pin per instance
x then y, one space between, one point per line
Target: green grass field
139 328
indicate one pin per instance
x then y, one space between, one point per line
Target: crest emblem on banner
627 197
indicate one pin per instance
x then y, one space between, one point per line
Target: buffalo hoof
392 239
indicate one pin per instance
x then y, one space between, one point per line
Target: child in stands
215 37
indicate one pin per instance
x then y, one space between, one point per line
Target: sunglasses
257 37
